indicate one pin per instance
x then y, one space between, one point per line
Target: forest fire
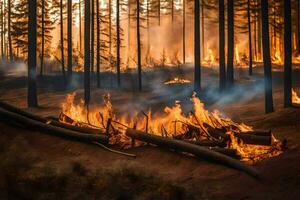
199 125
177 80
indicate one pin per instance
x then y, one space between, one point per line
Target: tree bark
118 45
92 35
249 36
2 31
287 54
202 29
87 60
183 31
230 46
222 70
266 56
70 39
32 47
9 31
197 51
62 48
139 45
43 38
98 45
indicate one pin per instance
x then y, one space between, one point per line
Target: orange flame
295 97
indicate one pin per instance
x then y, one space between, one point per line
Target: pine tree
230 45
197 52
222 79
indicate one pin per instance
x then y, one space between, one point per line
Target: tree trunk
2 31
148 28
32 43
287 54
118 45
158 12
80 39
9 32
183 31
230 46
62 48
92 35
109 32
259 33
43 38
298 25
197 52
222 79
69 38
203 29
128 31
266 56
87 60
98 45
250 36
139 44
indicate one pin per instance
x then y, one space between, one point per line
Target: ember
177 80
198 126
295 97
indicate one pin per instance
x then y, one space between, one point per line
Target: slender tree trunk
222 80
250 36
2 32
118 45
266 56
287 54
259 33
92 35
43 38
197 52
9 31
203 29
230 51
128 32
138 36
172 11
70 38
80 36
32 47
87 59
148 29
298 25
158 12
183 32
255 35
98 45
110 32
62 48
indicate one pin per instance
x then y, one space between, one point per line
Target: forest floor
39 166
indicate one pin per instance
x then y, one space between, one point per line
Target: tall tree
249 36
138 36
266 56
230 45
62 48
70 50
298 25
118 44
92 34
197 52
287 54
32 47
87 59
9 31
222 80
202 28
2 29
43 38
158 11
183 31
98 44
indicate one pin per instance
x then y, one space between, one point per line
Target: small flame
295 97
177 80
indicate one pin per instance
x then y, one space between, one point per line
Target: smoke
15 69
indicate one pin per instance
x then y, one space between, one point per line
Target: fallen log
228 152
198 151
246 138
52 121
259 132
207 143
12 118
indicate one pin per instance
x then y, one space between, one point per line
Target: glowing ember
295 97
177 80
210 58
172 122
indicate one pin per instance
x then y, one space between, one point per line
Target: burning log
11 118
207 143
198 151
246 138
51 121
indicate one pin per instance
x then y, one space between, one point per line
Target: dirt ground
39 166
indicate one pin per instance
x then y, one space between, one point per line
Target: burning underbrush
295 97
177 80
200 127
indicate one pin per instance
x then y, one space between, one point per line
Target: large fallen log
246 138
207 143
12 118
53 122
198 151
